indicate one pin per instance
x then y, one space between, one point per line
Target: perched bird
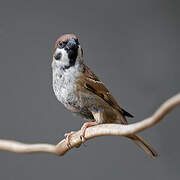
81 91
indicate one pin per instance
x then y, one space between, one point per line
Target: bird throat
71 63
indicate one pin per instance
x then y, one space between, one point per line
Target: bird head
67 51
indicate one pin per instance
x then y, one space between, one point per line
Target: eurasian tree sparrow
81 91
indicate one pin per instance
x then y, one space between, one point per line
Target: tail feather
144 146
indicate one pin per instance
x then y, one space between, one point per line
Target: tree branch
100 130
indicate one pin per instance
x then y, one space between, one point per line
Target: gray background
132 45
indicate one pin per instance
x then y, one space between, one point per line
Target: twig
100 130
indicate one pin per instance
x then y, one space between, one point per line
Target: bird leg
83 129
67 136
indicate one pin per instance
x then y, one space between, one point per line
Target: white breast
64 84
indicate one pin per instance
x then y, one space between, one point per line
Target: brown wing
89 74
92 83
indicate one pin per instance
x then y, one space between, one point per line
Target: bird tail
144 146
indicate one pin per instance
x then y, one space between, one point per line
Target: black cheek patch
72 55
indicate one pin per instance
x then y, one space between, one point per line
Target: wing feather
92 83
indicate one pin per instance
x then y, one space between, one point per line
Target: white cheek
64 58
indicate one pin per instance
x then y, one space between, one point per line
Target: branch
100 130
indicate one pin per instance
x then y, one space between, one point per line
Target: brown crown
64 38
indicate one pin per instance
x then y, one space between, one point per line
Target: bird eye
62 44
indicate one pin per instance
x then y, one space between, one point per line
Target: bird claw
67 138
82 136
83 139
83 131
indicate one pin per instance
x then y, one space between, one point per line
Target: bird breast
64 86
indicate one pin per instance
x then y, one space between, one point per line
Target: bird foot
68 136
82 135
83 130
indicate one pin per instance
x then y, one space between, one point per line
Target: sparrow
82 92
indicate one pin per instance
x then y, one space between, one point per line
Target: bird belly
82 103
96 105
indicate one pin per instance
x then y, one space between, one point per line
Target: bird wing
91 82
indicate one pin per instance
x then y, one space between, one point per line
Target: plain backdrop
132 45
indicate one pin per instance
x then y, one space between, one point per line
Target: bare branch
100 130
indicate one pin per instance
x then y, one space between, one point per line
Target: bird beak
72 44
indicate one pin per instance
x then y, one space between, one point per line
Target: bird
83 93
